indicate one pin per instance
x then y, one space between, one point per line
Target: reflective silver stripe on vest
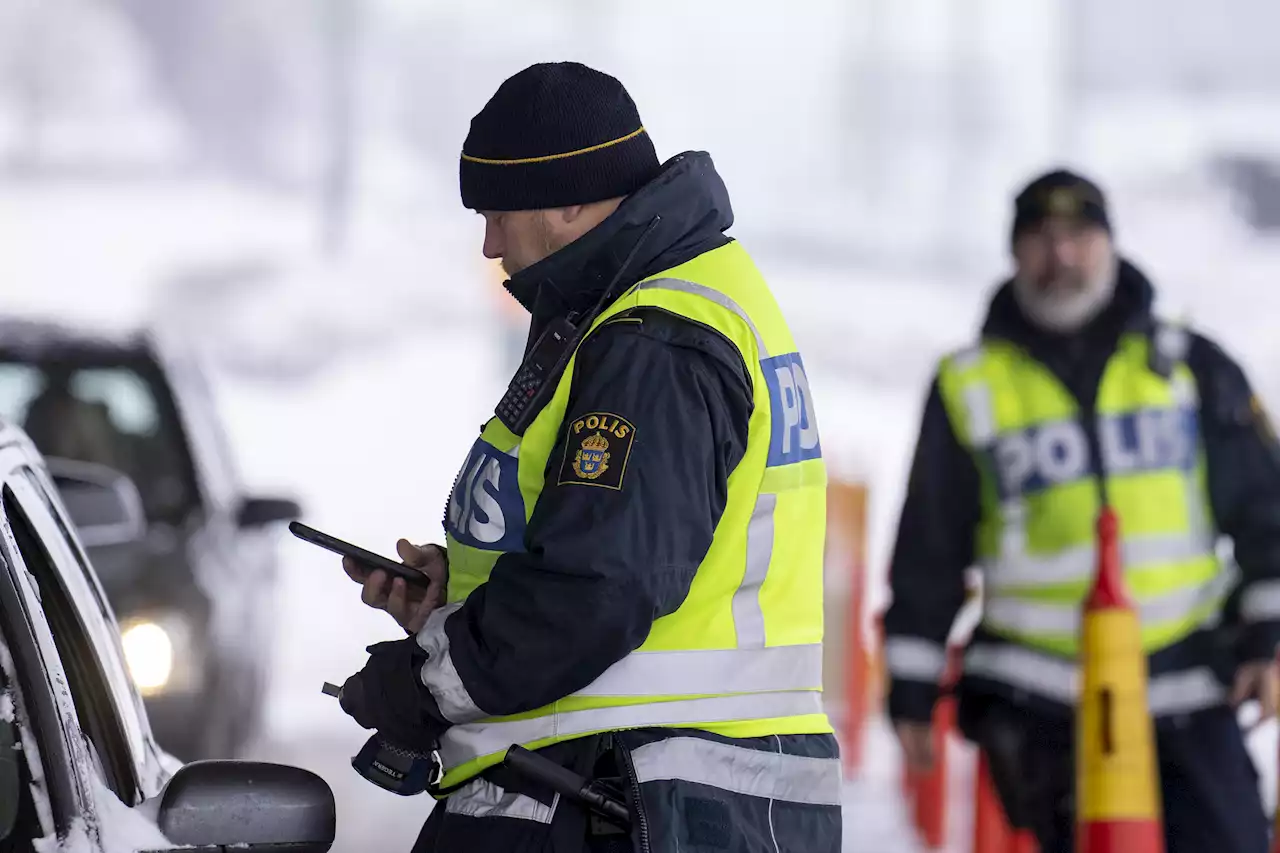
462 743
968 358
1057 679
914 659
481 798
679 285
439 674
1076 565
1184 692
748 616
1260 601
1173 340
694 673
981 416
1025 616
752 772
982 419
977 399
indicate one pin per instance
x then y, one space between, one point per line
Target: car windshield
111 414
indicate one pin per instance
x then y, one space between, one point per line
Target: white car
79 769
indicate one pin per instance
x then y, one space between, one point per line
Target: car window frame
104 726
39 674
94 607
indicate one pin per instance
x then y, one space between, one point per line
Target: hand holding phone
409 591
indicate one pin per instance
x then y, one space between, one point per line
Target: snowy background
275 181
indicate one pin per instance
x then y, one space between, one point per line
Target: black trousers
453 834
1208 782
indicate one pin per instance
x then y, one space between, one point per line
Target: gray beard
1069 312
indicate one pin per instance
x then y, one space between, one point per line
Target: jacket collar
679 215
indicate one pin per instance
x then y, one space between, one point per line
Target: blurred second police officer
634 544
1077 388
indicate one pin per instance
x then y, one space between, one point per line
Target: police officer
1075 390
631 582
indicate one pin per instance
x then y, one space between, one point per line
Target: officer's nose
494 247
1066 253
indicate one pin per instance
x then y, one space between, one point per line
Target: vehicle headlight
148 650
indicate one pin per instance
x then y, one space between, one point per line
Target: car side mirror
249 806
103 504
259 512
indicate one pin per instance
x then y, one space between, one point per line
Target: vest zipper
642 822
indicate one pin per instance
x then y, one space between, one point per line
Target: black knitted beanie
555 135
1059 193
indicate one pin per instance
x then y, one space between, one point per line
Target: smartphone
360 555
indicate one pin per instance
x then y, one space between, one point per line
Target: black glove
388 695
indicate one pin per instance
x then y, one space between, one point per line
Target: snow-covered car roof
48 336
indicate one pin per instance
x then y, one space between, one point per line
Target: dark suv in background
194 595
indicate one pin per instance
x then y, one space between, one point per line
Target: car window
116 415
77 635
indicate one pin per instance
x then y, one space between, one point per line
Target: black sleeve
935 545
1243 462
608 555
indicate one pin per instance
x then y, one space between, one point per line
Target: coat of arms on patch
592 458
596 450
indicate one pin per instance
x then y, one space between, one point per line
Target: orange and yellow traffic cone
1025 842
991 832
931 788
1117 793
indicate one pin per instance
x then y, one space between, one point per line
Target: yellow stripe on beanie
545 158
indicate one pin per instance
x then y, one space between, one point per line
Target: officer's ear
585 216
567 215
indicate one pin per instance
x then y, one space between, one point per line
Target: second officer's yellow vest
1036 542
742 656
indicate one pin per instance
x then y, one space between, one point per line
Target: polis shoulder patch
596 451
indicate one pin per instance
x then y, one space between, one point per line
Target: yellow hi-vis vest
1036 541
742 656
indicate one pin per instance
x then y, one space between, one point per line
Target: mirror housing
259 512
102 503
250 806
